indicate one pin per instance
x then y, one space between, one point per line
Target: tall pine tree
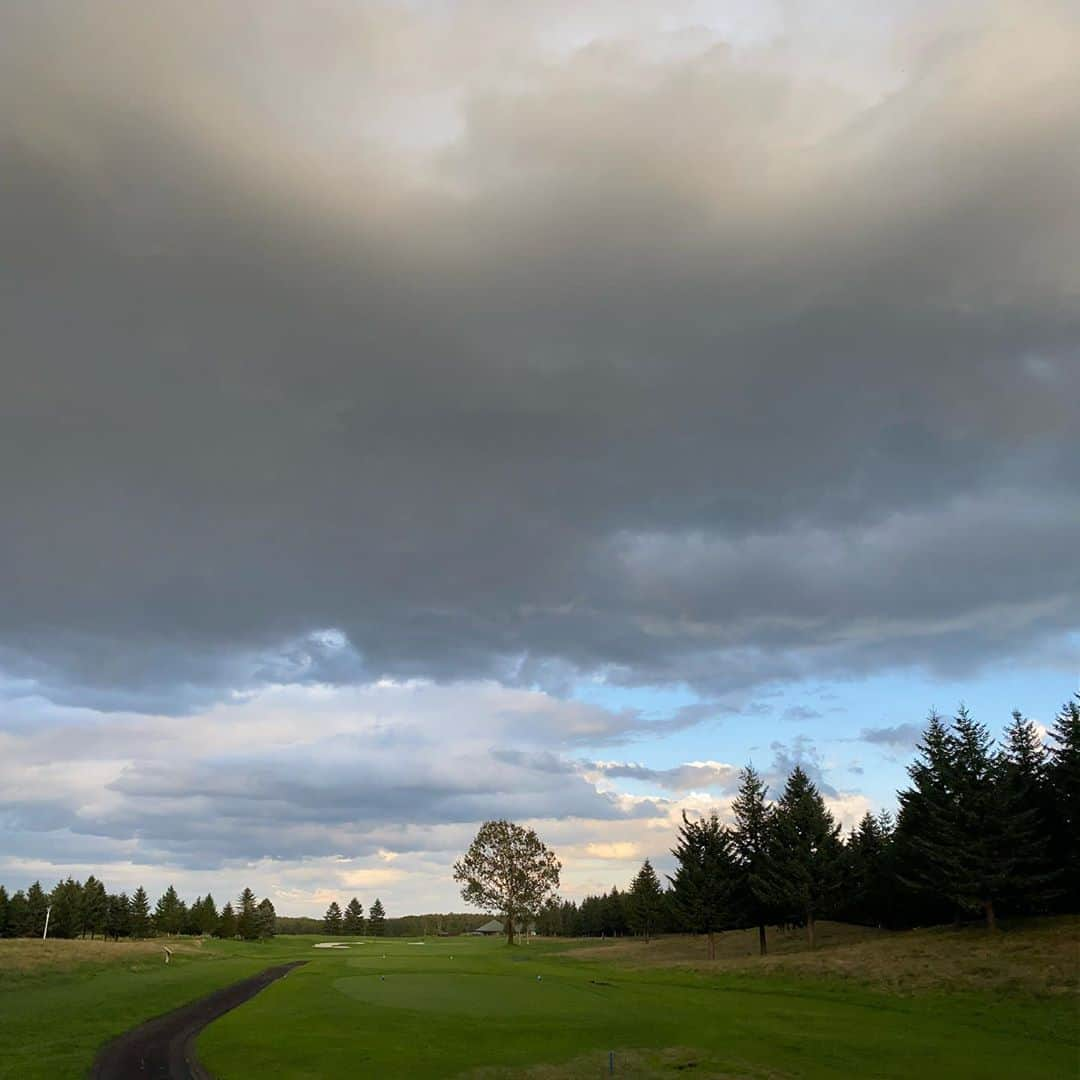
705 879
332 920
751 840
806 865
1063 775
353 922
139 920
645 901
247 923
226 927
377 919
94 907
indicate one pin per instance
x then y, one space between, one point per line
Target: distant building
489 929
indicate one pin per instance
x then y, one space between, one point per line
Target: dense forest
983 829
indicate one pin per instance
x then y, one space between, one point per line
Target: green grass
54 1016
473 1008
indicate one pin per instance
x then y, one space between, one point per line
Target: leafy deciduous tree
508 871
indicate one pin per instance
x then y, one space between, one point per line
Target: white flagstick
48 912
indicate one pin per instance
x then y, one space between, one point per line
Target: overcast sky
415 413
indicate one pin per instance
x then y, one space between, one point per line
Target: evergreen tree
265 920
751 842
19 919
247 925
922 806
1063 775
354 918
976 843
705 880
332 920
377 919
94 907
117 916
645 905
191 917
207 921
806 864
65 920
4 913
870 880
37 904
140 914
1024 774
226 927
168 913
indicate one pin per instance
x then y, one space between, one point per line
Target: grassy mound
1034 956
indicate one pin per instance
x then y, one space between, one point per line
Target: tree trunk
509 930
991 918
763 947
810 928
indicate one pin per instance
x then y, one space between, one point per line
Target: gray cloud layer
691 369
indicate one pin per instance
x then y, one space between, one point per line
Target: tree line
984 828
411 926
86 909
351 921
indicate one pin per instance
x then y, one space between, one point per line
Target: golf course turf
475 1008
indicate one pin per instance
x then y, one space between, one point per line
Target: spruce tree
140 914
208 916
870 881
645 901
922 806
332 920
247 925
377 919
353 923
806 858
94 907
168 913
1063 776
4 913
972 839
37 904
1024 774
750 836
117 916
265 920
19 920
226 928
705 879
65 921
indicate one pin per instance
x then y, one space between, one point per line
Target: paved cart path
164 1048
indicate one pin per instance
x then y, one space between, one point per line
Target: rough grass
1038 957
20 957
631 1065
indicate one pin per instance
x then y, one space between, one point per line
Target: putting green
482 995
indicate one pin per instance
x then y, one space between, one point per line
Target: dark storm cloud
682 371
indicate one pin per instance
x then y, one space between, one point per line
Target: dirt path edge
164 1048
